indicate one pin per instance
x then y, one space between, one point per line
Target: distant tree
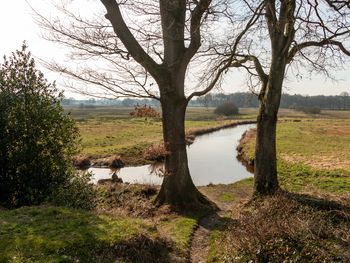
227 109
345 97
37 138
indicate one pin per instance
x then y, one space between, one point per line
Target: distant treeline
240 99
249 100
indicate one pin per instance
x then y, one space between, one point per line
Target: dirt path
200 244
201 238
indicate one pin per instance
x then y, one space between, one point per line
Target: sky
16 25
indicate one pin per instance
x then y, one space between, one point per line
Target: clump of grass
155 152
81 161
113 161
128 199
287 228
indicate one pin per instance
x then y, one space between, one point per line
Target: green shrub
37 139
77 192
227 109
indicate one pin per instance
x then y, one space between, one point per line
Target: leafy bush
227 109
37 139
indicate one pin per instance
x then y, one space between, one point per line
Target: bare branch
132 45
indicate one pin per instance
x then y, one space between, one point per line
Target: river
212 160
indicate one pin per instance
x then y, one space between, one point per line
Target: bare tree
148 42
290 34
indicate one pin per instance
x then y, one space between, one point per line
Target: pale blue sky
16 25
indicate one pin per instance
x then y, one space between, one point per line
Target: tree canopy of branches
289 34
36 138
138 44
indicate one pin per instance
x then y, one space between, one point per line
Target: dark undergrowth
286 228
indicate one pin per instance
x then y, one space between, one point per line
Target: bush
144 112
77 192
227 109
309 110
37 139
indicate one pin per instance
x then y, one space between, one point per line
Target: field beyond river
107 131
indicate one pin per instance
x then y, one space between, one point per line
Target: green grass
56 234
180 229
302 178
226 197
315 139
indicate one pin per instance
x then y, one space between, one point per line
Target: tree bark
265 163
177 188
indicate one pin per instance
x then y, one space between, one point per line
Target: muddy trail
239 193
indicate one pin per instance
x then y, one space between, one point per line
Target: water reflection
212 159
146 174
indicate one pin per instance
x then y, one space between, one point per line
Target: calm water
212 159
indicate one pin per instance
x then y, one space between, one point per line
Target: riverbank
313 155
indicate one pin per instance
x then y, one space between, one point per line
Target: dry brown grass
289 228
321 161
113 161
156 152
81 161
127 199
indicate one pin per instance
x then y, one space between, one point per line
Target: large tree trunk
265 162
177 188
